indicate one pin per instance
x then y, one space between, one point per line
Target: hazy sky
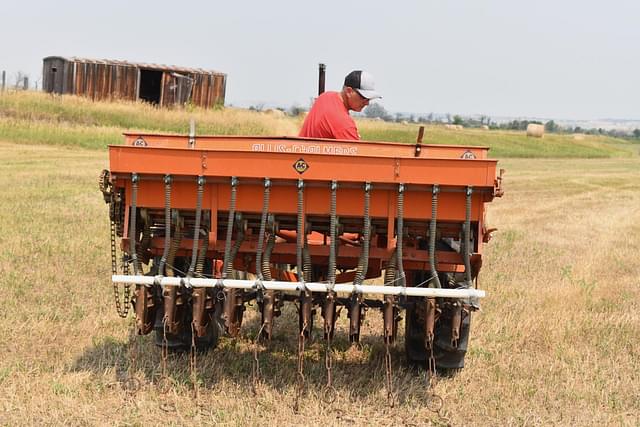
550 59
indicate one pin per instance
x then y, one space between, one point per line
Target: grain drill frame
220 221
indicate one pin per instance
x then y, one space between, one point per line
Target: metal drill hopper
210 224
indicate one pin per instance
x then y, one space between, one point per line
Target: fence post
25 85
4 79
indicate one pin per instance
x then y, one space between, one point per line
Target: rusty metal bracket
456 323
418 148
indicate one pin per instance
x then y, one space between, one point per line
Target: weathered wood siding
176 89
104 80
54 74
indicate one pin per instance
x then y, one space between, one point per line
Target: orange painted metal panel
441 171
251 159
283 200
304 146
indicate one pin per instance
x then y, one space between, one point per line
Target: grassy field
38 118
556 342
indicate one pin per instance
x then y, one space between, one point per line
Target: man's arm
349 132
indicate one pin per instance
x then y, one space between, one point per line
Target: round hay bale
484 127
535 130
578 136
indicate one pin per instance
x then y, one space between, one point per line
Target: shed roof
144 65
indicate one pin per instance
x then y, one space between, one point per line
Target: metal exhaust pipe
321 73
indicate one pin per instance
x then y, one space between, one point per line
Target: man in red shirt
329 117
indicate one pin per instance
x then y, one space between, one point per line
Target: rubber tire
447 357
182 340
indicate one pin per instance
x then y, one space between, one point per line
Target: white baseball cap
363 83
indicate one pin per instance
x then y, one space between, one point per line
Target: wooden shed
108 79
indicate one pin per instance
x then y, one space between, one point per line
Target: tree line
377 111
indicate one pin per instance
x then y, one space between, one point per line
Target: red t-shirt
329 118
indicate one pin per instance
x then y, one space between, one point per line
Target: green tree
551 126
458 120
376 111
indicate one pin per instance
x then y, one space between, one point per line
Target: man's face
356 101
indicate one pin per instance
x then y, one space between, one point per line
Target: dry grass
555 343
40 118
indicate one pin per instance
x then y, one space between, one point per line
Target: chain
121 308
330 392
387 364
165 382
164 379
301 378
110 197
328 362
193 369
435 403
431 368
255 370
131 383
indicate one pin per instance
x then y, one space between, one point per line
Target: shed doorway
150 86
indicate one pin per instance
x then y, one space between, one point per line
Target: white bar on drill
276 285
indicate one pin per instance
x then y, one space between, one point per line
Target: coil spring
400 234
196 230
228 266
266 261
333 232
300 230
167 222
263 226
132 224
236 247
202 253
467 236
434 282
173 248
306 261
363 261
390 271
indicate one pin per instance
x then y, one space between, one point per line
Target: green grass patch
504 143
63 134
39 118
